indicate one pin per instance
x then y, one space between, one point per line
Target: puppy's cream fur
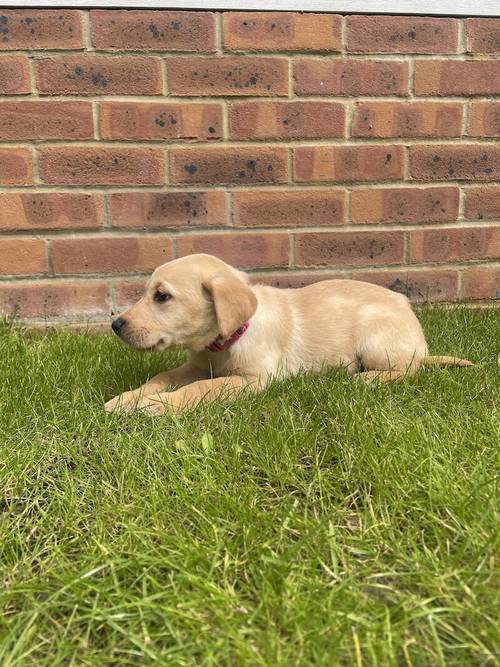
369 330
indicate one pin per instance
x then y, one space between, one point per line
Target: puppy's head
188 303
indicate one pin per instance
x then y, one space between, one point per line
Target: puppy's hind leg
388 355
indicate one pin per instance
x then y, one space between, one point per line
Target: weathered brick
287 120
483 35
481 282
407 119
241 250
50 210
151 210
75 165
315 76
23 256
469 162
14 75
55 299
160 121
40 29
99 75
455 244
46 120
127 292
16 166
229 165
286 31
348 163
110 254
348 248
457 77
154 30
401 34
293 208
482 203
227 75
418 286
404 205
484 119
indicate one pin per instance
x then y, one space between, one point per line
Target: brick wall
299 146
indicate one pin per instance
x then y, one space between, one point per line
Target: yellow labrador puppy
238 335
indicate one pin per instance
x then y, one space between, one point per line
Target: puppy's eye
161 297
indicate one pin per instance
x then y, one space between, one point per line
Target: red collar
220 344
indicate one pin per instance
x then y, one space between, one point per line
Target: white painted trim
427 7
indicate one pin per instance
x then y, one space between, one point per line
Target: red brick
287 120
50 210
481 282
46 120
160 121
99 75
241 250
401 34
40 29
23 256
457 77
293 208
55 299
127 292
17 166
228 75
154 30
285 31
484 119
419 286
469 162
229 165
348 248
404 205
482 203
293 279
14 75
315 76
483 35
348 163
150 210
110 254
407 119
455 244
76 165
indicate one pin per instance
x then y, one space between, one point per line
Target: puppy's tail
445 361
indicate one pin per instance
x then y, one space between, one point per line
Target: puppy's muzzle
117 325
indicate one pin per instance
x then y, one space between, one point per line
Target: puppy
238 335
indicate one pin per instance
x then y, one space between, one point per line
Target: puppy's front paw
156 405
125 402
153 409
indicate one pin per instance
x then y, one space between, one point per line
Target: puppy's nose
117 324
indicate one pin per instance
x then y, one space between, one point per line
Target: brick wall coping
422 7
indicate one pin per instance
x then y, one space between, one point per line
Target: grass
321 522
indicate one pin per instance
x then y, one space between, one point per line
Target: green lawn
322 522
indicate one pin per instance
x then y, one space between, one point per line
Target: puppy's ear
234 302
